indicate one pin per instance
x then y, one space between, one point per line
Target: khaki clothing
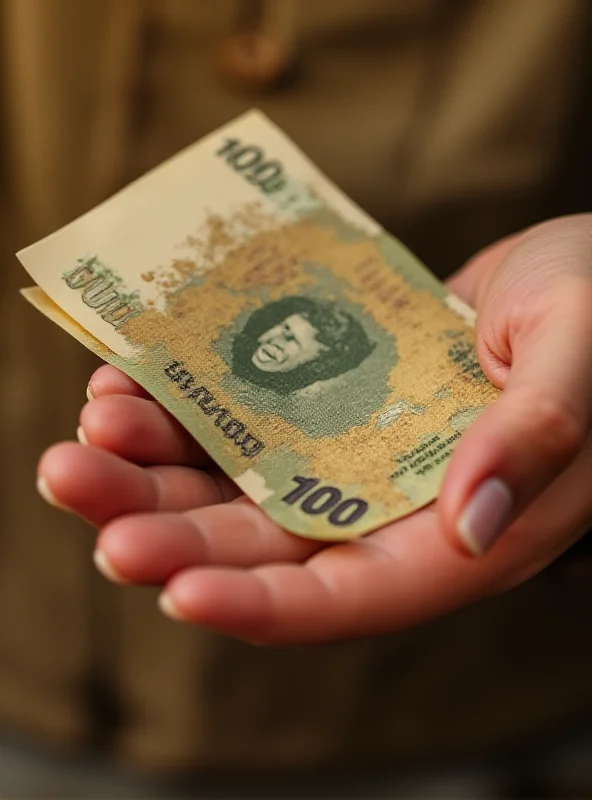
453 123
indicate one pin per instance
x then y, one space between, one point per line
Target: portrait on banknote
298 342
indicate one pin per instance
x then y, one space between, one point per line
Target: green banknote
319 363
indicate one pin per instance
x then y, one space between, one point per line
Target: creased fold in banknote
309 352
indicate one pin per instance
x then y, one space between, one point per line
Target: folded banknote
316 360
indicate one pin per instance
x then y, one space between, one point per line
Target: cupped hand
167 516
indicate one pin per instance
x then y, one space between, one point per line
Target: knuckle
557 428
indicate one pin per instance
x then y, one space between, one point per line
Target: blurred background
453 122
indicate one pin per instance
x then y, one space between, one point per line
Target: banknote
317 361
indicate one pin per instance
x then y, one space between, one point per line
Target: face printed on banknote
297 342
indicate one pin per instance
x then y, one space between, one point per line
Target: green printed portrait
318 361
296 342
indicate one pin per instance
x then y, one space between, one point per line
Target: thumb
534 339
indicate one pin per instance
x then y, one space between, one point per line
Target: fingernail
106 568
485 516
81 435
168 607
89 393
48 495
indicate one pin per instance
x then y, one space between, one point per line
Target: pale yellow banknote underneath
309 352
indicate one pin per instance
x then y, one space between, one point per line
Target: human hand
168 517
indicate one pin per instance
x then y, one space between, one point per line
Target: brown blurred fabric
453 123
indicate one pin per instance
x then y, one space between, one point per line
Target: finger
468 282
355 589
110 380
100 486
541 352
139 430
151 548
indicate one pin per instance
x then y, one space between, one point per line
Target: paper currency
310 353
